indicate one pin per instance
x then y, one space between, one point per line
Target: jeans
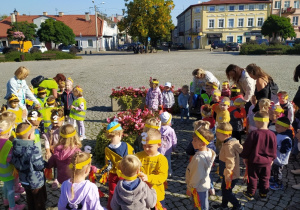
169 163
9 193
227 195
277 173
203 197
184 112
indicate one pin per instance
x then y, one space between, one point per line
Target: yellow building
229 20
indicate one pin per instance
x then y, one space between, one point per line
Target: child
206 113
216 94
13 106
28 160
264 104
77 192
6 168
114 152
225 89
237 118
183 102
168 139
132 193
46 112
168 98
35 118
235 93
66 147
258 154
197 172
250 116
78 109
206 97
221 110
67 97
286 105
229 163
274 113
154 98
41 96
154 164
61 88
284 146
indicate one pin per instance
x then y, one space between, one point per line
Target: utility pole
280 8
96 17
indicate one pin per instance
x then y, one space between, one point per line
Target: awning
215 35
253 33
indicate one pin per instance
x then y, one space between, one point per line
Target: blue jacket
28 160
284 147
183 100
67 100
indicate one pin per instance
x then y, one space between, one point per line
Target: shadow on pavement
100 108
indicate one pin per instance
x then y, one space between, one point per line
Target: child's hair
284 120
235 91
68 137
257 71
225 126
201 124
10 116
151 123
226 83
34 114
264 104
206 110
239 101
214 85
78 157
282 94
13 98
129 165
198 72
155 85
57 112
41 91
261 114
153 134
225 99
51 101
185 87
4 126
23 129
78 91
69 80
22 72
217 92
206 133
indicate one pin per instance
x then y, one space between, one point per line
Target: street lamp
96 18
16 14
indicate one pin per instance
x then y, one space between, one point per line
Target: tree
3 17
148 19
276 26
28 29
56 32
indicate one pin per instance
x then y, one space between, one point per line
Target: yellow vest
6 169
42 102
46 112
18 114
78 115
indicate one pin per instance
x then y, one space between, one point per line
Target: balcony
288 10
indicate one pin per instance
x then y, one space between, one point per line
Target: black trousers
36 198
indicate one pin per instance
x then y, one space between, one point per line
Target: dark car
218 44
179 46
262 41
290 43
232 46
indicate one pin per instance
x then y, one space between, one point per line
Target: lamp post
16 14
96 22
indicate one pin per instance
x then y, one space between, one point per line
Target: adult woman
17 85
264 83
199 81
51 85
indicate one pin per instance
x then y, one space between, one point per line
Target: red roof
217 2
76 22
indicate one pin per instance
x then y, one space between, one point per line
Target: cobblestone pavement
97 74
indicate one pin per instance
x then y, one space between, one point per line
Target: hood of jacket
82 189
235 144
208 157
64 153
164 130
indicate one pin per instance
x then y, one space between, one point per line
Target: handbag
37 81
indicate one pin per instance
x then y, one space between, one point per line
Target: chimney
45 13
60 14
13 18
87 16
24 14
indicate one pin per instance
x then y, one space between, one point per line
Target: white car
42 48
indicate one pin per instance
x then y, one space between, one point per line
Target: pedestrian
168 98
154 98
286 105
67 98
183 103
46 112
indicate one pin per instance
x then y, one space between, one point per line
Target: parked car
297 41
25 45
290 43
41 48
218 44
179 46
232 46
262 41
1 50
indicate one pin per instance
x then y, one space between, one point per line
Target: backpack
273 90
37 81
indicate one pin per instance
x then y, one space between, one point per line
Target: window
261 6
211 23
197 10
251 7
212 8
277 5
90 43
221 23
295 21
197 25
241 7
221 8
241 22
286 4
250 22
239 39
296 4
230 23
229 38
231 8
260 22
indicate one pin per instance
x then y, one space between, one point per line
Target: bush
8 50
256 49
73 50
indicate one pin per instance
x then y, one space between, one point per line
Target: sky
52 7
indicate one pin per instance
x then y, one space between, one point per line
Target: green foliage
276 26
148 19
28 30
130 102
57 32
256 49
3 17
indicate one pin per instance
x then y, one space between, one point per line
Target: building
230 20
288 9
83 26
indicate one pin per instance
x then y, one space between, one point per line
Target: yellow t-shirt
156 168
222 116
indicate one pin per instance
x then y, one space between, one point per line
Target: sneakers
54 185
6 203
276 186
212 191
296 172
249 196
263 197
20 190
296 186
18 207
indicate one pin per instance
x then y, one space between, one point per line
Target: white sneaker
296 172
296 186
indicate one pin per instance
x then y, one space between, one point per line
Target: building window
260 22
239 39
241 22
286 4
277 5
261 6
90 43
296 4
251 7
230 23
231 8
221 23
211 23
295 21
250 22
241 7
197 26
197 10
212 8
221 8
229 38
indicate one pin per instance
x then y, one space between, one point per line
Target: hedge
256 49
